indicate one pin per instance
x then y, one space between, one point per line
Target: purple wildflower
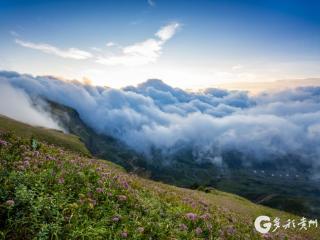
268 236
21 168
191 216
61 180
116 219
122 198
230 230
106 174
124 234
183 227
50 158
10 203
99 190
198 231
125 184
36 153
205 216
92 201
3 143
26 163
281 235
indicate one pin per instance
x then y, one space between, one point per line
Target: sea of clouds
155 115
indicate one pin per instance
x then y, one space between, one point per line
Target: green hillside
49 136
49 192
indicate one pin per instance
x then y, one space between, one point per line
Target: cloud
167 32
72 53
210 123
96 49
142 53
152 3
110 44
17 105
137 54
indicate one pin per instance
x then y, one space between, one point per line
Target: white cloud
167 32
136 54
154 115
141 53
16 104
72 53
110 44
149 49
152 3
96 49
144 52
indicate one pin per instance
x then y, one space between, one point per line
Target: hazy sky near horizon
188 44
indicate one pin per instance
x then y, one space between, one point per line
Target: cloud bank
16 104
154 115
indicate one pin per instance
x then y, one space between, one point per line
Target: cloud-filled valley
154 115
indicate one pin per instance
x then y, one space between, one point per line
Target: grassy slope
50 136
59 194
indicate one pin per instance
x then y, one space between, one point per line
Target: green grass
49 192
50 136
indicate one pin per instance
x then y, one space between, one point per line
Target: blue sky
190 44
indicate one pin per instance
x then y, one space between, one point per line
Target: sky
187 44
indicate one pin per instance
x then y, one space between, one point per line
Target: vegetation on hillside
50 136
47 192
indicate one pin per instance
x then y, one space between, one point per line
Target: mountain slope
48 192
298 195
182 170
51 136
100 146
